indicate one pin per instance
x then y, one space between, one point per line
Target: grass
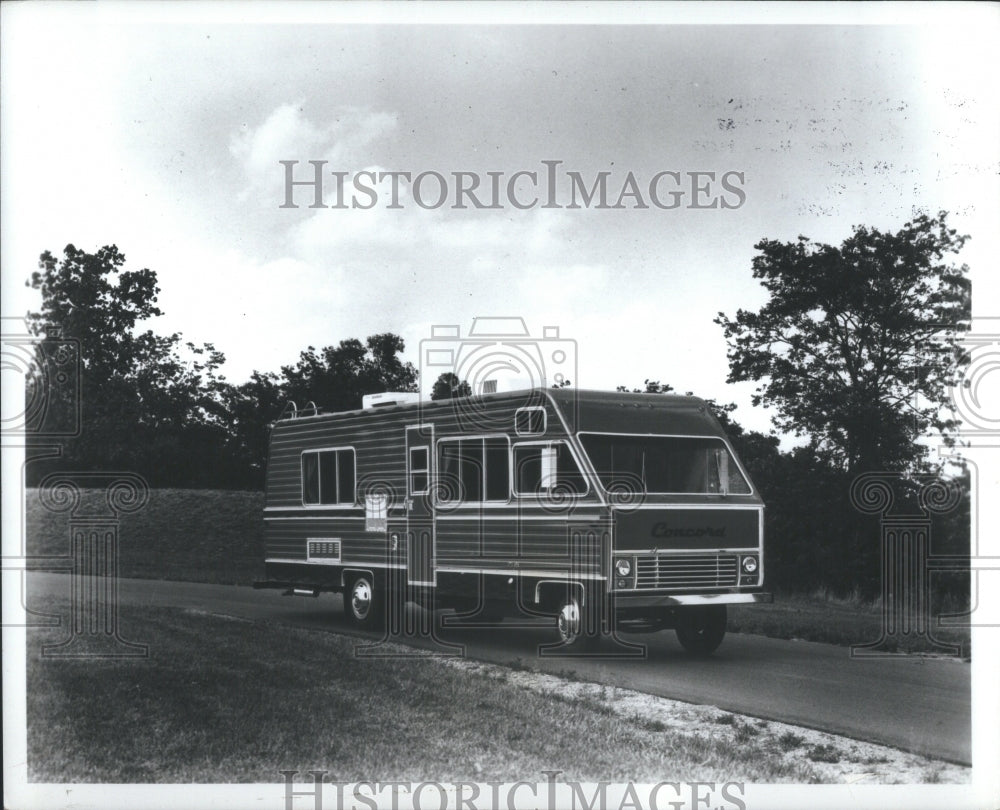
790 740
744 732
216 536
219 700
824 752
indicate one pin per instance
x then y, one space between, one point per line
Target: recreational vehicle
599 512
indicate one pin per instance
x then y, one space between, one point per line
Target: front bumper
629 600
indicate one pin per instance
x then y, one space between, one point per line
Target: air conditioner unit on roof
386 398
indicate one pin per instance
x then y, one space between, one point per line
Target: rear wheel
363 603
700 629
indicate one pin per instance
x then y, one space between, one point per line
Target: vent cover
323 549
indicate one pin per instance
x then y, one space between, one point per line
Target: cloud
287 134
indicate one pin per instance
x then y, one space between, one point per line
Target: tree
80 300
449 386
149 403
336 377
857 344
251 408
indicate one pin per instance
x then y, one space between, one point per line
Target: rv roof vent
369 401
503 384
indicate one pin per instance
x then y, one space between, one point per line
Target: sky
160 130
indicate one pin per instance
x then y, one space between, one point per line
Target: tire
569 622
364 603
700 630
576 628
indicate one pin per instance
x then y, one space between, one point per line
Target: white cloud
287 134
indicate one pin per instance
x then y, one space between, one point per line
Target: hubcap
361 599
569 622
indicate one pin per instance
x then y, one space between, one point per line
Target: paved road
919 705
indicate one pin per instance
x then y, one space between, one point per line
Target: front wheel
579 625
569 622
362 603
700 629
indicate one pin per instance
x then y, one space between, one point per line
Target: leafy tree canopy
336 377
449 386
857 344
139 391
158 405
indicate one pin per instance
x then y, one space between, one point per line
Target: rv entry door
419 511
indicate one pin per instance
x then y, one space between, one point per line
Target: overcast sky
163 136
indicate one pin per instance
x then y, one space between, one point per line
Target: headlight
749 564
623 567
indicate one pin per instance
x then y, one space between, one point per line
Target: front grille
686 571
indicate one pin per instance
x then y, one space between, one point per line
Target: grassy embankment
216 536
183 534
833 620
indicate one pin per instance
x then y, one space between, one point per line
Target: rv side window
328 477
418 470
546 469
310 477
529 421
474 469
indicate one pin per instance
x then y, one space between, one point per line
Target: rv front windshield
664 465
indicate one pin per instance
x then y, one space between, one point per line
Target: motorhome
599 512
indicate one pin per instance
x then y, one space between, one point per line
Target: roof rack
292 411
